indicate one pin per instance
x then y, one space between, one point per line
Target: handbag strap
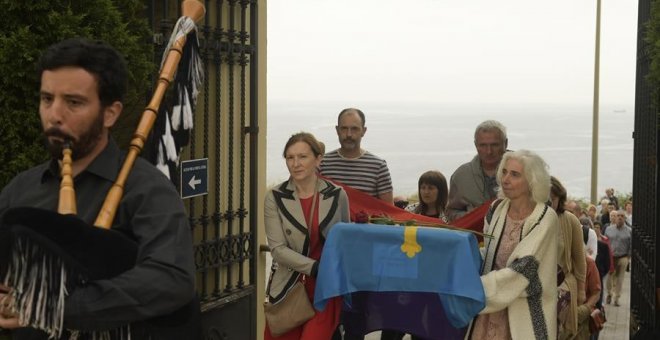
270 280
309 221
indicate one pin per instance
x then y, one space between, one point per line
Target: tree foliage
27 28
652 38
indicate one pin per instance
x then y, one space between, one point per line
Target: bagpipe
45 255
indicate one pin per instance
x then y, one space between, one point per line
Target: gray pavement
617 326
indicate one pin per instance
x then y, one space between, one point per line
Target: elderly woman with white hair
519 271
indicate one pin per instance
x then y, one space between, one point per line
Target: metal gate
223 222
645 263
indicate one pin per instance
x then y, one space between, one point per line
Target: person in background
604 260
620 236
353 166
589 236
593 289
519 273
605 239
322 147
298 215
358 168
473 183
401 202
612 219
592 238
629 213
575 208
432 191
570 258
602 207
609 194
592 213
605 215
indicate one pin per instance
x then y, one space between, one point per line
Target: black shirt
150 211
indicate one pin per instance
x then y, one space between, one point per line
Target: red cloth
362 202
592 282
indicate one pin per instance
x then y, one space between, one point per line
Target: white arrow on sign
194 182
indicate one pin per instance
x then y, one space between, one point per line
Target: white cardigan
528 285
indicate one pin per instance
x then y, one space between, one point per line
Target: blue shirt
620 239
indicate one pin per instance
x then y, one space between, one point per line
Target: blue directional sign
194 178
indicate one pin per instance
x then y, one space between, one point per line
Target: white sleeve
592 244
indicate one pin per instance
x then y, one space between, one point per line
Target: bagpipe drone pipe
45 255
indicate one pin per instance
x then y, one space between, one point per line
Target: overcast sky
451 51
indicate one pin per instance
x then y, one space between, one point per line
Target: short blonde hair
535 170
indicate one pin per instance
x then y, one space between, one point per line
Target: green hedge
28 27
652 38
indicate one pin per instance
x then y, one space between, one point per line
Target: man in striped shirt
361 170
353 166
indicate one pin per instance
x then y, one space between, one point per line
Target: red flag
361 202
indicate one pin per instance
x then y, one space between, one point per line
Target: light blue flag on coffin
385 258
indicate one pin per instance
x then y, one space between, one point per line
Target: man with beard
354 166
359 169
82 87
473 183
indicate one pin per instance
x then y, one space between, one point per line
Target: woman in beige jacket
296 240
519 271
570 259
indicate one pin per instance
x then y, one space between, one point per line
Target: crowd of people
542 245
544 266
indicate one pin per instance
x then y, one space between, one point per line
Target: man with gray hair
620 236
473 183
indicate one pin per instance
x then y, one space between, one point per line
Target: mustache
55 132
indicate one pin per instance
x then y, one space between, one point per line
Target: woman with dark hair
519 271
298 216
570 259
432 191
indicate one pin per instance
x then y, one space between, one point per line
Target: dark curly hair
101 60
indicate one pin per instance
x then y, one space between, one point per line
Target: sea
416 137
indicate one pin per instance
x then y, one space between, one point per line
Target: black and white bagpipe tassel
122 333
39 287
178 111
39 290
167 155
